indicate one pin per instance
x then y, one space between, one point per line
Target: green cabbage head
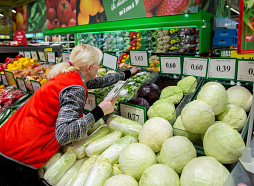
162 108
159 174
172 93
186 83
235 116
204 171
197 117
176 152
215 95
223 143
240 96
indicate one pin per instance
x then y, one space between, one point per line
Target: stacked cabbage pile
124 152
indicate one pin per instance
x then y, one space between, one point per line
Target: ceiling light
14 11
1 15
233 10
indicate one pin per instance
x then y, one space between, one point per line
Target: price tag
35 85
139 58
4 80
222 68
109 61
42 56
51 57
66 57
91 102
170 65
133 112
10 78
245 70
21 84
34 55
116 88
195 66
27 54
21 53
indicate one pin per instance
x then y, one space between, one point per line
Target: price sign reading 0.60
196 67
222 68
170 65
245 70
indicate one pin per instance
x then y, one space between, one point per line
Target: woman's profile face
94 69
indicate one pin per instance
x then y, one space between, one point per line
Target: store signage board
42 56
10 78
139 58
91 102
66 57
109 61
133 112
245 70
21 84
195 66
34 55
20 36
170 65
21 53
51 57
222 68
27 54
4 80
35 85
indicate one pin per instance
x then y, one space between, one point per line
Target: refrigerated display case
66 40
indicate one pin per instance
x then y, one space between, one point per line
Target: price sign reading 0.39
90 102
195 66
170 65
222 68
139 58
245 70
132 112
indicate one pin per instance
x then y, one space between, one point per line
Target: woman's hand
108 105
134 70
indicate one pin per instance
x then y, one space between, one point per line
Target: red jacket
29 134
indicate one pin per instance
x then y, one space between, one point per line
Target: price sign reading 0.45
245 70
222 68
170 65
195 66
132 112
139 58
90 102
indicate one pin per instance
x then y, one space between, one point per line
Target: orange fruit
83 19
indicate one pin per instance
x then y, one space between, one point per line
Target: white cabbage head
215 95
154 132
204 171
240 96
197 116
121 180
176 152
223 143
159 174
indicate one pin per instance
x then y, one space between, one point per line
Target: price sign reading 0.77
133 116
133 112
222 68
139 58
170 65
90 102
245 70
195 66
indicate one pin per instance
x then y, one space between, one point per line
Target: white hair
81 56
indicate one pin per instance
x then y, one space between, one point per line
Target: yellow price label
49 49
242 56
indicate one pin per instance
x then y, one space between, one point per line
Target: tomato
64 11
56 23
49 25
73 4
47 4
51 14
72 22
54 3
74 14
